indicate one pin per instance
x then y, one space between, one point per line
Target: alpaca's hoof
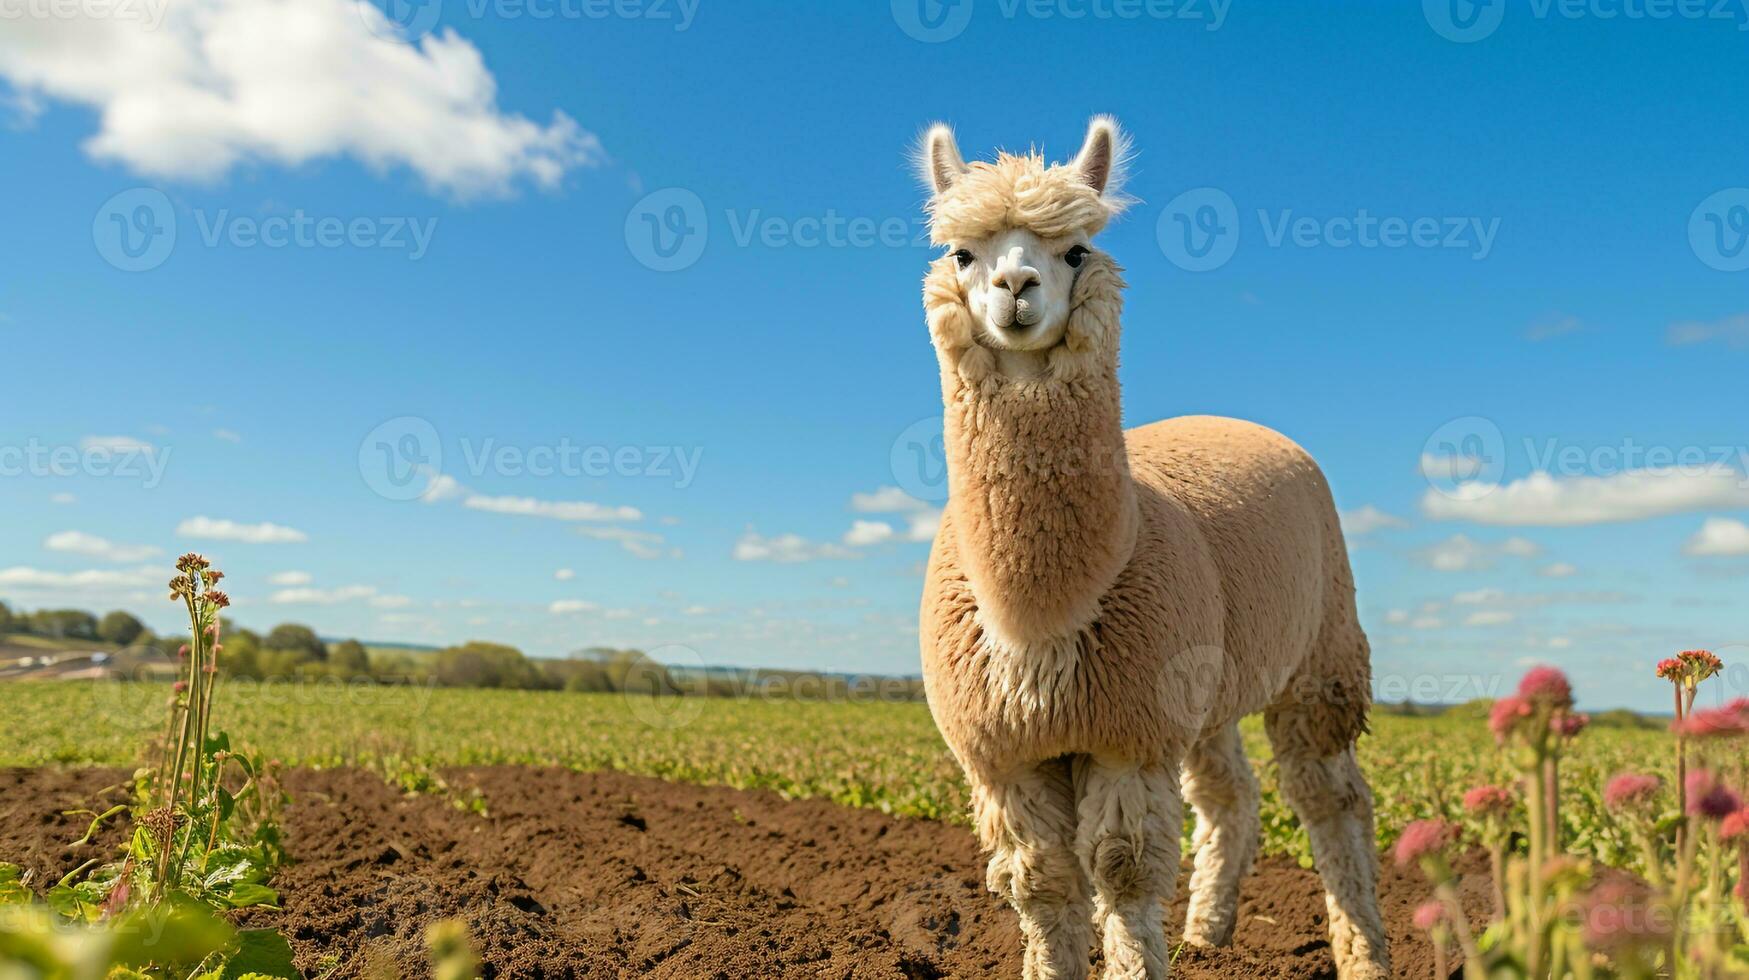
1208 934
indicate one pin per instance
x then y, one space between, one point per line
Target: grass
882 755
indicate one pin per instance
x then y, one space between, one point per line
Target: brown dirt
607 875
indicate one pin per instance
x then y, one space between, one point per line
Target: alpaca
1102 606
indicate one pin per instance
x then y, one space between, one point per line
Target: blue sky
466 266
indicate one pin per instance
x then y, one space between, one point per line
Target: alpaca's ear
1103 156
939 158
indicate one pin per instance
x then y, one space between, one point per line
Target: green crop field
882 755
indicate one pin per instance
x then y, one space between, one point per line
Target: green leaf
246 894
142 849
176 932
260 953
12 888
65 900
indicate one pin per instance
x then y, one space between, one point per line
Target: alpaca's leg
1324 785
1130 818
1219 785
1027 824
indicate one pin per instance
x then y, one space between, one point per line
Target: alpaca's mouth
1018 335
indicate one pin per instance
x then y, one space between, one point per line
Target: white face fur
1017 286
1017 283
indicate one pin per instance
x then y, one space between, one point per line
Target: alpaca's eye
1075 256
962 258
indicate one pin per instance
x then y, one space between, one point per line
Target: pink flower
1546 686
1428 915
1568 725
1618 918
1710 798
1735 826
1504 717
182 651
1726 722
1671 669
1487 801
179 686
1424 838
1701 664
1631 790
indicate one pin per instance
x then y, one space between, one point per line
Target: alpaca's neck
1041 502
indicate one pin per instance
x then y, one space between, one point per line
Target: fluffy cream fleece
1102 606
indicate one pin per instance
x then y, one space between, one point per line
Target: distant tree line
292 651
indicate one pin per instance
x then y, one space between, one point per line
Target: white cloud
557 510
80 543
1449 468
336 596
566 607
921 519
114 444
222 84
36 579
226 435
564 574
1559 569
1489 617
1397 617
1548 501
1733 331
1552 326
865 533
322 597
786 548
1719 537
440 488
886 500
923 525
642 544
63 498
1427 623
1477 597
1461 553
226 530
1367 519
289 578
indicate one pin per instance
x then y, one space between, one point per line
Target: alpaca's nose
1012 273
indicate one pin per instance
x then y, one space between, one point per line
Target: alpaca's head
1019 231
